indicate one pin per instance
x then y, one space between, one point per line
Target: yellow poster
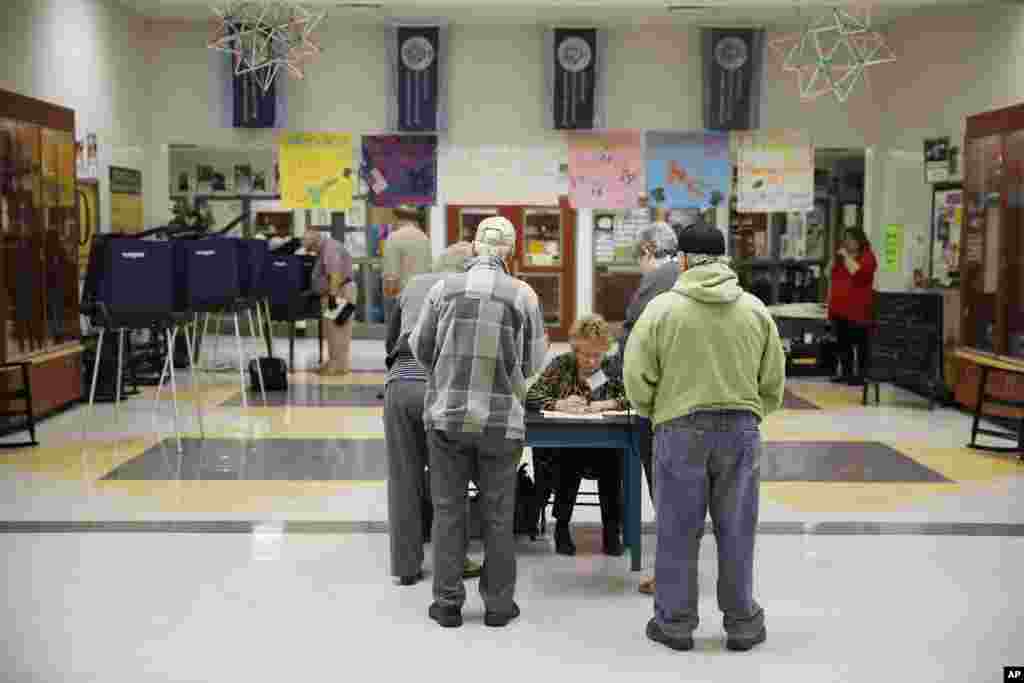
88 222
126 211
316 170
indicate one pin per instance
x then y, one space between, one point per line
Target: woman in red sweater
851 302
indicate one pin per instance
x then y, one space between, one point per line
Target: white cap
493 233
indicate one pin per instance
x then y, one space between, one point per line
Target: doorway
544 256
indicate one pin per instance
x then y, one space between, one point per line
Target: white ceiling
768 13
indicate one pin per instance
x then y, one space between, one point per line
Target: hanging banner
574 64
400 169
776 171
687 170
733 77
316 170
605 170
418 72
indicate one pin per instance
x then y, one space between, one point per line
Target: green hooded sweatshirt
704 345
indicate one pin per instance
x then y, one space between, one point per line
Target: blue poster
687 170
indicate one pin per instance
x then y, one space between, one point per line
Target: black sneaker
448 617
563 541
613 544
410 580
744 644
498 620
658 635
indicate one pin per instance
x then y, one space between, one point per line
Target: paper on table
571 416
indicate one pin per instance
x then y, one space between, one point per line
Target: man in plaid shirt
480 335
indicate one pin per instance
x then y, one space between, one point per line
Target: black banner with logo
418 78
733 78
575 84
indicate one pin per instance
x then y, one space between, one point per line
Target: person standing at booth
332 279
409 505
655 252
407 253
705 363
479 337
851 301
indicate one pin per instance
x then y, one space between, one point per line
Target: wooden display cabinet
992 251
544 257
39 239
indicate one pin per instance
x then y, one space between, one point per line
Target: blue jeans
707 461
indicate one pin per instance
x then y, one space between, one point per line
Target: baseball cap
701 238
496 231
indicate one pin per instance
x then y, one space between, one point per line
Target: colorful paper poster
893 248
687 170
605 170
401 169
776 171
316 170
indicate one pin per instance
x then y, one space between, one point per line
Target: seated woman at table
586 380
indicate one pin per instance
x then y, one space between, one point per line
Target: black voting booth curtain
733 78
418 78
575 105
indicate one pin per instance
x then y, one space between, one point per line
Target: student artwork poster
687 169
316 170
605 170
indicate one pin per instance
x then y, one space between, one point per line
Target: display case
39 237
992 252
544 256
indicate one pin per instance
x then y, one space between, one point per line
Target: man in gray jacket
655 251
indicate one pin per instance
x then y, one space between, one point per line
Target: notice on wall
316 170
126 211
775 171
893 248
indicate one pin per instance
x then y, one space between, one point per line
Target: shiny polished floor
887 550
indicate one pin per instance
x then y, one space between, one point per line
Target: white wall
86 55
143 84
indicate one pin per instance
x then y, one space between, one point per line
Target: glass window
616 272
543 235
548 287
469 219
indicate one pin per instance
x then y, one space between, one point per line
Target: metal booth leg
174 386
95 375
241 362
197 398
259 368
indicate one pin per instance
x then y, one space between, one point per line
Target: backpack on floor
275 374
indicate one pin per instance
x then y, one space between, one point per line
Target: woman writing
851 303
585 380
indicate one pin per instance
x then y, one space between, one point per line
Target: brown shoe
647 586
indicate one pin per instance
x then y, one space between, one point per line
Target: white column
584 261
438 229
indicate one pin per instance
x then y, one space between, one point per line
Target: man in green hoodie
705 364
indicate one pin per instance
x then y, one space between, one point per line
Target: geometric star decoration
833 53
265 36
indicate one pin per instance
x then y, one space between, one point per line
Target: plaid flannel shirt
479 336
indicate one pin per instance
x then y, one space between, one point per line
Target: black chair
22 395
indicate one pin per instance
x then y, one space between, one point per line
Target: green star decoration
266 36
832 54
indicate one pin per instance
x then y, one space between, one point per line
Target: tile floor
888 550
